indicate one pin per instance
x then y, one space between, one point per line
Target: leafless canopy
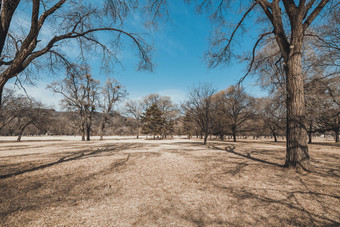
277 17
64 31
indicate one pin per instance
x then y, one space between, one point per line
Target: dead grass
165 183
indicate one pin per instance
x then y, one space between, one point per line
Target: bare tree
135 109
272 112
326 110
20 112
287 22
237 108
8 111
80 92
111 93
55 25
199 106
31 112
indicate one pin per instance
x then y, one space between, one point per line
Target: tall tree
199 106
111 93
238 108
287 21
80 94
272 112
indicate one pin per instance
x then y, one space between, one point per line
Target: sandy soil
179 182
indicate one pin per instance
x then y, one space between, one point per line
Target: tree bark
22 129
205 138
297 150
310 133
88 132
83 134
1 91
8 8
275 137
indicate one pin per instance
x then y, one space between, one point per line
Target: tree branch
314 14
71 35
218 57
253 55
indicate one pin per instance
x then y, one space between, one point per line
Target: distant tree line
206 112
233 113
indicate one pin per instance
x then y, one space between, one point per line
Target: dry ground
165 183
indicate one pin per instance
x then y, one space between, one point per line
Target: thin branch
56 39
223 53
253 56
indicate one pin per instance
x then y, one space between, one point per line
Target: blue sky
178 48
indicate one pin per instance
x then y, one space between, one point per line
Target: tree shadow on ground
290 206
72 156
231 149
326 144
67 188
302 199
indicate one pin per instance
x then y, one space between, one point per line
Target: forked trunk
297 149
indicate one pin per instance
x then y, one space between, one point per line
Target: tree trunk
297 149
1 91
22 129
234 136
88 133
275 137
205 138
310 134
138 132
83 134
101 129
337 136
7 10
19 137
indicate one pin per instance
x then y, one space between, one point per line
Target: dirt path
163 183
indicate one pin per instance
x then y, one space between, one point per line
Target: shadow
291 202
326 144
72 157
66 188
231 149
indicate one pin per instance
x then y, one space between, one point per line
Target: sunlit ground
120 181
